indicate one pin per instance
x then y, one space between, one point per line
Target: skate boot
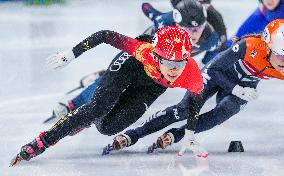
119 142
162 142
60 110
30 150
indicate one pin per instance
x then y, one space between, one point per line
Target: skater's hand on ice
245 93
60 60
190 143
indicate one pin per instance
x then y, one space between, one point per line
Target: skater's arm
112 38
158 18
216 20
132 46
223 61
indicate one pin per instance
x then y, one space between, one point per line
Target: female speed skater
125 88
233 75
187 12
268 11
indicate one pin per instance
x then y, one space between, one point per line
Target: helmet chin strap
159 69
162 75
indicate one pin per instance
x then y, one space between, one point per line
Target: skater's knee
107 129
224 113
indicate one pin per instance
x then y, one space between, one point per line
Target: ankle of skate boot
128 138
172 137
27 152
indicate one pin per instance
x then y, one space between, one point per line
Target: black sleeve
223 61
216 20
115 39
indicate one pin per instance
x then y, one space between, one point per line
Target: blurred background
33 29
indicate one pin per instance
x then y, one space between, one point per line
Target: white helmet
273 35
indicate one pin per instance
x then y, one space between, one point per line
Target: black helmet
175 2
205 1
189 13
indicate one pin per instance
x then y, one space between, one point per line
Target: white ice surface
29 89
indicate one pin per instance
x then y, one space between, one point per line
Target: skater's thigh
132 104
110 88
232 103
227 107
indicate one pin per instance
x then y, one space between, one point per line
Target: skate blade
152 148
49 119
107 149
15 160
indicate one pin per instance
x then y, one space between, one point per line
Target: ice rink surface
29 90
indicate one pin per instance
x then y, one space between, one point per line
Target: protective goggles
170 64
194 29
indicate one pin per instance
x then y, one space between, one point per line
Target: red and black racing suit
126 89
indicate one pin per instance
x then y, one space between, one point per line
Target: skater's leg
110 88
112 85
225 109
61 109
162 119
85 95
188 108
194 107
104 99
177 133
130 107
